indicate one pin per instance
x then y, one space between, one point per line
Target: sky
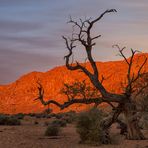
31 30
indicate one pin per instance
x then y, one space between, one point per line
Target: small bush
52 115
40 115
60 123
88 127
52 130
31 114
59 116
70 117
48 116
19 116
43 115
8 120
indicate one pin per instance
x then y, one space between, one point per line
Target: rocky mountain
19 96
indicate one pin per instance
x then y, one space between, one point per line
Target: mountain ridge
19 96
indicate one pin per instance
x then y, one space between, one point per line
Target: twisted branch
68 103
131 77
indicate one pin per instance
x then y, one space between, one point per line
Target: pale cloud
14 64
32 29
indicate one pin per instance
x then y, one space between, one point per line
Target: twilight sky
31 30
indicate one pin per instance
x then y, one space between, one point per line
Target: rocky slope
19 96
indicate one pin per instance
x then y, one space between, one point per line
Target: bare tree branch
139 71
68 103
131 77
85 30
121 52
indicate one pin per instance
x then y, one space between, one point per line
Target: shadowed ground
29 135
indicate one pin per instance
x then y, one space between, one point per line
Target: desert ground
31 135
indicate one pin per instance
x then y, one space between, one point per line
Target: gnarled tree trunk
132 120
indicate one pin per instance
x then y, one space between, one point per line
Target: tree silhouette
126 105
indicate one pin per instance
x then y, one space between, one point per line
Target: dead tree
126 105
141 86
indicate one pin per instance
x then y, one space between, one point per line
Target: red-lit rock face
19 96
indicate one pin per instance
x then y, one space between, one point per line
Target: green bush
8 120
88 127
52 130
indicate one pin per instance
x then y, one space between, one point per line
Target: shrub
43 115
19 116
88 127
52 115
8 120
70 117
60 123
13 121
40 115
48 116
52 130
31 114
59 115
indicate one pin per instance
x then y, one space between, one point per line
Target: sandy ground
29 135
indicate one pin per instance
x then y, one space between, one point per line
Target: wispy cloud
8 26
30 31
14 64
